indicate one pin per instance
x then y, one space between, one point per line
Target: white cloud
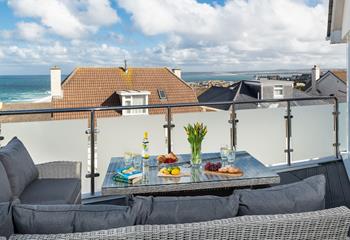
44 55
99 13
6 34
30 31
67 18
240 34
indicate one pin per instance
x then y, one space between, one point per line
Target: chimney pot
55 78
177 72
315 75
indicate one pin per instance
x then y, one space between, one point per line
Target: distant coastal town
300 79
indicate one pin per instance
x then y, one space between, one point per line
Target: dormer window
278 91
162 94
132 98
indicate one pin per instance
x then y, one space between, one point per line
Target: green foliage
196 133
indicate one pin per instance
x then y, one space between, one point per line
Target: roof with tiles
247 91
341 74
97 86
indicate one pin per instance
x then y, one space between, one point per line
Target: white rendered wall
346 19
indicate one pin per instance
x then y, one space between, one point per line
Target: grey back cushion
304 196
5 188
173 210
19 166
54 219
6 225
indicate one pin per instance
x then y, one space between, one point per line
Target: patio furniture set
43 202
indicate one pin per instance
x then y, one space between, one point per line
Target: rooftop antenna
125 65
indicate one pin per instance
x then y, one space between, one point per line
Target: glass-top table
254 174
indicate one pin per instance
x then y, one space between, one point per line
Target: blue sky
195 35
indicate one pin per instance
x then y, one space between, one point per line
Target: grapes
212 166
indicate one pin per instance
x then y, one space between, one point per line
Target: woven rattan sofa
325 224
21 179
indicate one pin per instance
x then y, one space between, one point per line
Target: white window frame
280 89
127 99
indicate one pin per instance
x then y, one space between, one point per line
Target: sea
36 88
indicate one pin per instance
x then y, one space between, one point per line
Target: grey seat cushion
51 219
52 191
19 166
6 225
173 210
304 196
5 188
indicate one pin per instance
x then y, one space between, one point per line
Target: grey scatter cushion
173 210
6 224
304 196
54 219
19 166
5 188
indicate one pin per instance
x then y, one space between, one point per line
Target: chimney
315 75
55 76
177 72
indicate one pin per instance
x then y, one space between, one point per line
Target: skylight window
162 94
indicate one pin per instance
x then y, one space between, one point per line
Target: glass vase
196 158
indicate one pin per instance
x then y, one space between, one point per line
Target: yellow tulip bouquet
195 136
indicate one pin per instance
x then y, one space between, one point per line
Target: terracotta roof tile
94 86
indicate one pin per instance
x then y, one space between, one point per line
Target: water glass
231 155
137 162
128 158
224 152
145 169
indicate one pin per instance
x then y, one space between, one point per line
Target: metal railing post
92 151
336 127
233 122
288 118
92 173
169 126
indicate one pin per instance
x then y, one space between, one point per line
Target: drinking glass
128 158
137 161
231 155
224 152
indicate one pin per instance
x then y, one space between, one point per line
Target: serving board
173 176
240 174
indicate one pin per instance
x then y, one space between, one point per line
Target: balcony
280 137
294 141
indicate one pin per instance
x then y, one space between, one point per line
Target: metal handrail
152 106
233 121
